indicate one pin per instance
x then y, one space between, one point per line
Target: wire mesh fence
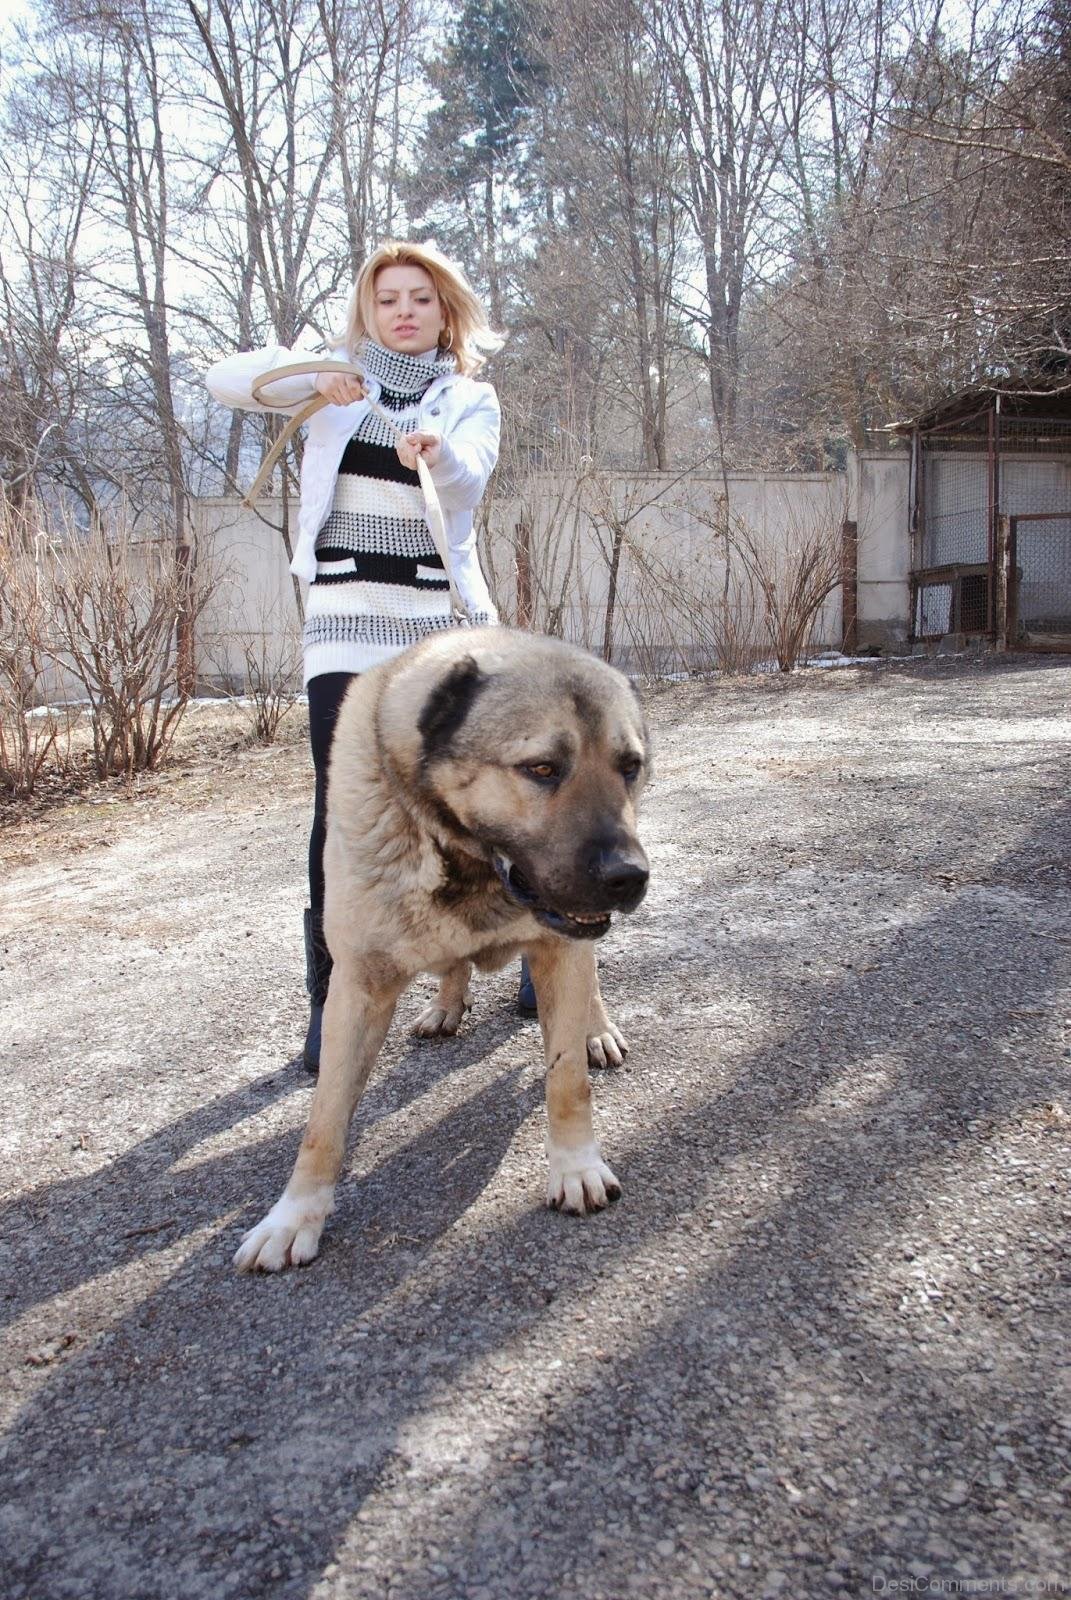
1041 560
972 472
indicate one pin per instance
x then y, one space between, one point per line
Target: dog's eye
541 771
631 768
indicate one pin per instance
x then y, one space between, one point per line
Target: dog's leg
564 973
444 1014
607 1045
357 1015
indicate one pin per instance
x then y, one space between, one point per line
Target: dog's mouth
574 924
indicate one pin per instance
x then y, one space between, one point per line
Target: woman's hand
339 388
427 445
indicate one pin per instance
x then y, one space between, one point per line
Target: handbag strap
433 511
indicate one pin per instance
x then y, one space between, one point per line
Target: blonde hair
467 333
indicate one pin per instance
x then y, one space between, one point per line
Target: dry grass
73 810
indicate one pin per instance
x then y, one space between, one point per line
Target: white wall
879 500
253 605
671 577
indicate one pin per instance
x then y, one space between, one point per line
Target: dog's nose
622 875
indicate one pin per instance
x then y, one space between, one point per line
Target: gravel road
820 1345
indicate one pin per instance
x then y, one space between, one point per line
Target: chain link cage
971 472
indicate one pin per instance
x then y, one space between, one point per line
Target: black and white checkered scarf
403 379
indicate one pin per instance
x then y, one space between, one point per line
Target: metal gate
1033 581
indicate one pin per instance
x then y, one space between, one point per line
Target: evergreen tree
488 78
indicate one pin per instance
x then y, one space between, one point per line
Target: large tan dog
481 801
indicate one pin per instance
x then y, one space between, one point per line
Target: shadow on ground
760 1378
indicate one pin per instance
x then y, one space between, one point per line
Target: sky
11 11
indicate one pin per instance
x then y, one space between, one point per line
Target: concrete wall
669 533
878 492
252 615
671 576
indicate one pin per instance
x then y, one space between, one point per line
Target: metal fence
1036 562
969 474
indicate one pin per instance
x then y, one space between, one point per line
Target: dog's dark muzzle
616 880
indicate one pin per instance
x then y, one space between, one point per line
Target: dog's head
538 752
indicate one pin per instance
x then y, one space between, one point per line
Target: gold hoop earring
446 339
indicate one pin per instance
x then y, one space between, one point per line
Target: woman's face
408 311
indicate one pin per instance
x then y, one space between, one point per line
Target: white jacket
463 411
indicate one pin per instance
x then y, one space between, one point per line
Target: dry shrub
714 624
793 581
641 589
657 567
531 541
531 526
725 608
118 599
269 686
34 735
771 590
270 671
696 615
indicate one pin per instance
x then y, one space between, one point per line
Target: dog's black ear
448 705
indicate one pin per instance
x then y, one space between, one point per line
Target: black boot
526 995
317 972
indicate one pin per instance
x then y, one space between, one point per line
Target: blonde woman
376 581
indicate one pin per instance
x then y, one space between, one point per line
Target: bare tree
596 291
925 257
750 230
300 93
732 71
45 333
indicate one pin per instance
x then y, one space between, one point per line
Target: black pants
326 694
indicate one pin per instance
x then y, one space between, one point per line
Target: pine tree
488 78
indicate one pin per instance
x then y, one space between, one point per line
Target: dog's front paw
289 1236
579 1180
438 1021
608 1047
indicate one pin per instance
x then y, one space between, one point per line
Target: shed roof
1050 398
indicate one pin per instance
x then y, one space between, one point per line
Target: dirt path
819 1346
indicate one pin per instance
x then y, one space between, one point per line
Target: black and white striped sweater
380 584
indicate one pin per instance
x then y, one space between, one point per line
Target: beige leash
433 511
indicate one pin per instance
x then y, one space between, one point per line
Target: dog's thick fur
481 802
